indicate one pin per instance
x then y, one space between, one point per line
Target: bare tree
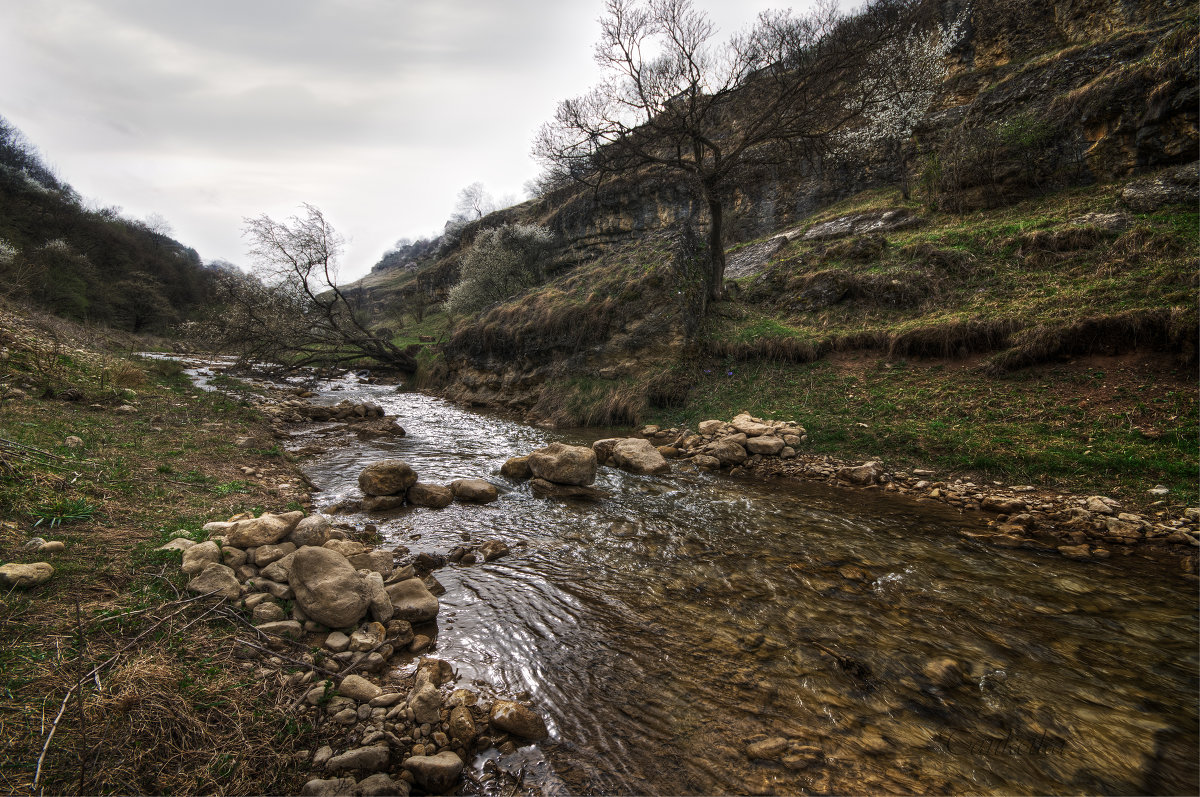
296 314
678 101
474 202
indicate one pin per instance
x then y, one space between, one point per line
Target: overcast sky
376 111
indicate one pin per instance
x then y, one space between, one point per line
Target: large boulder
386 477
711 428
426 703
474 491
518 720
265 530
358 689
638 455
312 530
279 570
217 579
434 496
381 605
382 503
200 556
604 449
378 560
749 426
462 725
329 787
266 554
367 759
412 601
436 774
563 464
327 587
19 576
865 474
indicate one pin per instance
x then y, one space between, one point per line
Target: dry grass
1162 329
169 708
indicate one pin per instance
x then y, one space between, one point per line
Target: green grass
1068 425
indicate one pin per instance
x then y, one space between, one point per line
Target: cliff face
1037 96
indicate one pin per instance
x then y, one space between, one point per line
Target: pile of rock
353 607
391 483
557 471
334 582
745 440
367 418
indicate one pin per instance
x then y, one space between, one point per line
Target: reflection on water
662 631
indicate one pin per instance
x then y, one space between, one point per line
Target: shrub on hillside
502 262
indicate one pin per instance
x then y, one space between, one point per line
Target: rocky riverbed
761 635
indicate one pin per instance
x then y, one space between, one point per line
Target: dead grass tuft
953 339
1174 329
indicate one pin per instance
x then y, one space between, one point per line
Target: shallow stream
663 630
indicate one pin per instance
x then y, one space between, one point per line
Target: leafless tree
294 313
474 202
676 100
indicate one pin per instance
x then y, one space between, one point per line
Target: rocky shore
332 617
1079 527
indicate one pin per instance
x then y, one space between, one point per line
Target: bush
501 263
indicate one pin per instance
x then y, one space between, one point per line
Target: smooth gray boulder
518 720
267 529
426 703
370 759
327 587
474 491
358 689
218 579
312 530
200 556
434 496
18 576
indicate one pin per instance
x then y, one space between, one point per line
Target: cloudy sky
376 111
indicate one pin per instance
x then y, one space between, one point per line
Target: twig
79 699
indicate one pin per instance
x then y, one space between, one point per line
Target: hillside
1035 224
86 264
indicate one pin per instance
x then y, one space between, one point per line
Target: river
662 631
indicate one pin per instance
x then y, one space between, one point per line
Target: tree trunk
716 249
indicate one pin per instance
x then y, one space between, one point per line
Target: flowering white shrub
905 75
500 263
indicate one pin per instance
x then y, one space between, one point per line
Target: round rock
328 588
386 477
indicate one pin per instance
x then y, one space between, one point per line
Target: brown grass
1171 330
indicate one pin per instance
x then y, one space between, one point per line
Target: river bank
730 612
526 622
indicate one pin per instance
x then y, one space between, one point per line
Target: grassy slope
177 712
1078 418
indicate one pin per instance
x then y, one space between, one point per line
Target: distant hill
89 265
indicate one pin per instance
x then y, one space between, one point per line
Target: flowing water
664 629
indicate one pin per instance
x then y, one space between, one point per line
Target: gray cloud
378 111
